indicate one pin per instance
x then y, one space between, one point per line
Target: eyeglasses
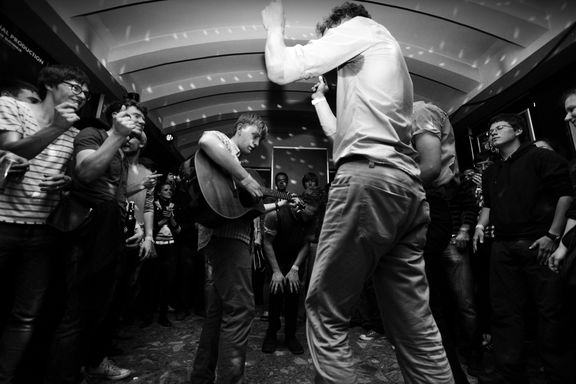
498 128
76 89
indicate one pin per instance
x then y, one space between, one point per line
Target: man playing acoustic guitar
229 295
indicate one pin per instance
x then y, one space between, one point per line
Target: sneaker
108 370
294 346
269 343
371 335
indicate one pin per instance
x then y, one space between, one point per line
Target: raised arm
325 115
275 52
29 147
92 163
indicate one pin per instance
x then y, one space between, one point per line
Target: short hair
246 119
117 106
310 176
52 75
281 174
14 87
339 13
517 122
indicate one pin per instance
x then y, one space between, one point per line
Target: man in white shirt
376 216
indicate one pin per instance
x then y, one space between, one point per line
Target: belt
358 159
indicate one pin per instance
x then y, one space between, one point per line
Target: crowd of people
450 266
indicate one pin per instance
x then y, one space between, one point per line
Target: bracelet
295 267
479 226
318 100
552 236
276 205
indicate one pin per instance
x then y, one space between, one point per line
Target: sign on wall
20 57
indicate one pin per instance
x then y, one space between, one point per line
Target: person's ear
518 132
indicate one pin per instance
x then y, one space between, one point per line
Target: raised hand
123 125
65 115
320 88
273 15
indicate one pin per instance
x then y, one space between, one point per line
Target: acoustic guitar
215 197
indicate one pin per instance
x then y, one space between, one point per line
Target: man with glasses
43 134
99 174
526 196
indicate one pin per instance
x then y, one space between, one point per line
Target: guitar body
216 198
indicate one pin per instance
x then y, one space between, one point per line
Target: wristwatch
553 237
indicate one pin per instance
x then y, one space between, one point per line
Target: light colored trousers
375 227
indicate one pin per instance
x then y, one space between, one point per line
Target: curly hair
52 75
339 13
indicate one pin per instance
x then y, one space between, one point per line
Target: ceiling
197 64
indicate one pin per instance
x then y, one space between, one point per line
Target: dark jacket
523 190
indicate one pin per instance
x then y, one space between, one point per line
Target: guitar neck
277 194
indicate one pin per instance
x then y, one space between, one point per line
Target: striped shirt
239 229
22 201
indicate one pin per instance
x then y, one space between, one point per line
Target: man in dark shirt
92 264
288 233
526 195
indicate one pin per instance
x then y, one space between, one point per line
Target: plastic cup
5 165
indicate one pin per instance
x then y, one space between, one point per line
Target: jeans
460 283
515 277
283 302
441 302
221 353
26 257
158 277
91 267
375 227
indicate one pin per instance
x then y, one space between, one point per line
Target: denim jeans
91 267
442 302
375 227
516 280
221 353
26 263
460 283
